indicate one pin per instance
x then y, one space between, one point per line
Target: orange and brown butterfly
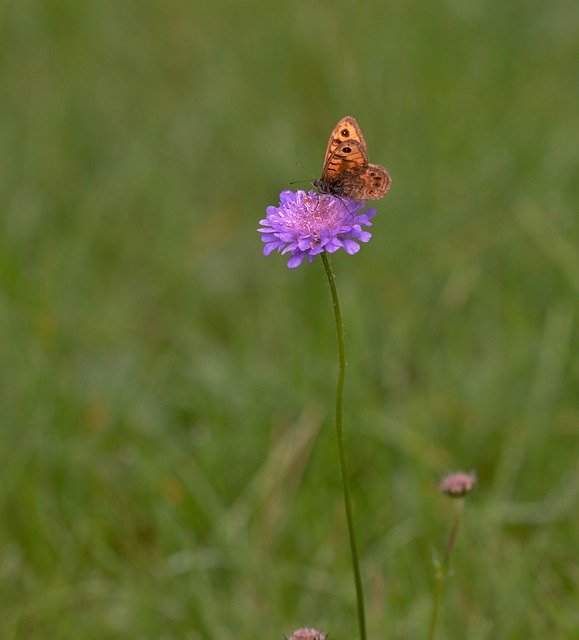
346 171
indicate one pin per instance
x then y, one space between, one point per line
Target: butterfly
346 170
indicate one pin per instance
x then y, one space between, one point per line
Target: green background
167 456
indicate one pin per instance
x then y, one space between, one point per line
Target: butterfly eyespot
346 150
345 133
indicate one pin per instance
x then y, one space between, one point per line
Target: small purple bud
307 634
458 484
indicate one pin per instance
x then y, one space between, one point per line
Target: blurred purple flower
458 484
307 634
308 223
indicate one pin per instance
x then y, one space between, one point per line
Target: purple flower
308 223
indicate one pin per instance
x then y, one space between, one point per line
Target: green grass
167 449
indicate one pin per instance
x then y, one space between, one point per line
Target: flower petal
351 247
270 247
296 260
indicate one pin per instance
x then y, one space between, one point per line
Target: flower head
458 484
307 634
308 223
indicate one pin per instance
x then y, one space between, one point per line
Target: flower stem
444 566
342 448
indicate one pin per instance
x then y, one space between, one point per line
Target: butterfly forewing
349 155
346 129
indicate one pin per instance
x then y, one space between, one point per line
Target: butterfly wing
346 129
372 183
349 156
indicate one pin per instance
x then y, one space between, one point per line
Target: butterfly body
346 171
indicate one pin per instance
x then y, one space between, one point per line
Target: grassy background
168 468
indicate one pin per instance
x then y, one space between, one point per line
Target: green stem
443 568
342 448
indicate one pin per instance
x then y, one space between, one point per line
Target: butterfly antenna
303 169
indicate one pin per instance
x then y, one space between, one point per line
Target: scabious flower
308 223
307 634
458 484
